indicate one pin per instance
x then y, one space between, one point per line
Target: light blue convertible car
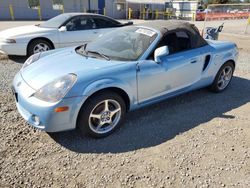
91 87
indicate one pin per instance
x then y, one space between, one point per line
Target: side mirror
63 29
160 52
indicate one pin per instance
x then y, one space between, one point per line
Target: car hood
23 30
60 63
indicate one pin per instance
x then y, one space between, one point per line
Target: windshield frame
152 45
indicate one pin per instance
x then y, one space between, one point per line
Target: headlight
9 40
57 89
31 60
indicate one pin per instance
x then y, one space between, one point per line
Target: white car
69 29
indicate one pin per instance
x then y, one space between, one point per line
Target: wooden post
11 12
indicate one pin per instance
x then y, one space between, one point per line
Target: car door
177 71
79 30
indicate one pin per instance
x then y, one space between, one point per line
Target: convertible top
167 26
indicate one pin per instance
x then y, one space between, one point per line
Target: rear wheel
102 114
37 46
223 77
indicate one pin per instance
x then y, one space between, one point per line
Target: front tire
102 114
223 77
37 46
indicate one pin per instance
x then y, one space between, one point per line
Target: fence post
11 12
39 13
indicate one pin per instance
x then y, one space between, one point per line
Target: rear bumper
42 115
13 48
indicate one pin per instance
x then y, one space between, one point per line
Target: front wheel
37 46
101 115
223 77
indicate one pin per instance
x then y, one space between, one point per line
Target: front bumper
13 48
42 114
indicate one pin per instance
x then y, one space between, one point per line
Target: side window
104 23
176 41
184 42
80 23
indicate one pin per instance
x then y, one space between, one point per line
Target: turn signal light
62 109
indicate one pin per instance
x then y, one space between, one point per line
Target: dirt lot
199 139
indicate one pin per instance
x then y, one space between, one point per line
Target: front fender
53 37
110 83
231 55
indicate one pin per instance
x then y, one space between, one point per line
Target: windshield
126 44
55 22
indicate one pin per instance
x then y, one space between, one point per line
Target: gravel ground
199 139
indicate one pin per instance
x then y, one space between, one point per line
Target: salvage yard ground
199 139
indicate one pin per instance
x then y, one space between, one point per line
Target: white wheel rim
225 77
105 116
41 47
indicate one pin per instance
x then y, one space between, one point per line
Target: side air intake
207 60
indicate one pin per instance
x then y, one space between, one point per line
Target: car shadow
161 122
18 59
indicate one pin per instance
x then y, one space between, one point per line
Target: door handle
193 61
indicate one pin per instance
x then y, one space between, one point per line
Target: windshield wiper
82 50
98 53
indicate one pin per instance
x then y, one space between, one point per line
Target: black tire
34 43
84 121
215 86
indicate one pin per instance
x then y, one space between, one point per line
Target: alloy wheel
105 116
225 77
41 47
